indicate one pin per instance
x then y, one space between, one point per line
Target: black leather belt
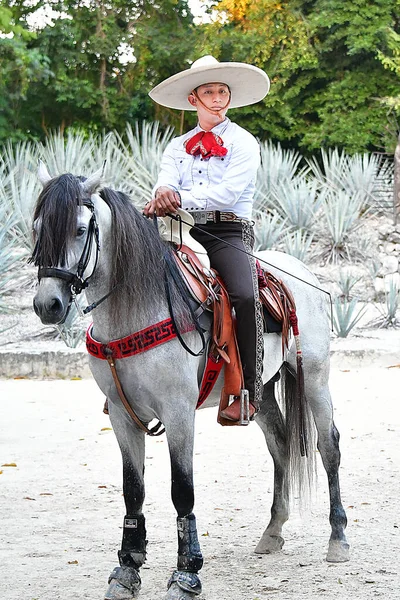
201 217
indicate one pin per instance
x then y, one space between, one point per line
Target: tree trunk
396 183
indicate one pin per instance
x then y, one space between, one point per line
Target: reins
179 219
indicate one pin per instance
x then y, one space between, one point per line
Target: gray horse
99 241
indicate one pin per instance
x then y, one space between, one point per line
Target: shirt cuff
189 202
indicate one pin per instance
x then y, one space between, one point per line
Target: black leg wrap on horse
133 547
127 577
189 553
188 582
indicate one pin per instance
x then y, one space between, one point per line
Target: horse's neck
133 318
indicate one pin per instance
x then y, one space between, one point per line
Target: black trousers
238 271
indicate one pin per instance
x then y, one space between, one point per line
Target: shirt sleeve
169 173
240 172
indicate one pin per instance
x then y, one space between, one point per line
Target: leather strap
154 431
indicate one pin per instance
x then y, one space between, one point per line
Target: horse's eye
81 231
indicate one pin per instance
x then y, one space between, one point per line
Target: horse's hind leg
124 581
270 419
318 396
184 583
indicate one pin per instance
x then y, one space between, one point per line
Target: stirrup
244 418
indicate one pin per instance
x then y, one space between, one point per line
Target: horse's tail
300 433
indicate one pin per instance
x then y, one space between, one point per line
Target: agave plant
388 317
269 229
297 201
68 153
277 166
347 280
145 147
358 174
341 219
346 315
9 257
298 243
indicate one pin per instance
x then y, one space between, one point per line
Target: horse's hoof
338 551
269 544
124 584
183 586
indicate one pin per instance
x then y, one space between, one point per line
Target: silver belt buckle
199 217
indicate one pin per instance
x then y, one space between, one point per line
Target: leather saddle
208 291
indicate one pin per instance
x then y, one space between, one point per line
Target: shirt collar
218 129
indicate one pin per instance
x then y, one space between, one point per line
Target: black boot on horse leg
124 581
190 560
184 583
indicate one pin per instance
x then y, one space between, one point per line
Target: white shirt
224 183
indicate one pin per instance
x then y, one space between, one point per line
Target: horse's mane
138 258
137 253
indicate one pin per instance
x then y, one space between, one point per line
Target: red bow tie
205 143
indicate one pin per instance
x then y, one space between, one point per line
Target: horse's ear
43 174
91 184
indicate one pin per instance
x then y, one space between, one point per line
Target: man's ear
192 99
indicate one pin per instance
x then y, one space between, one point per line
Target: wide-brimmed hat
248 84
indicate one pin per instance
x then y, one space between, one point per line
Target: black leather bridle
76 279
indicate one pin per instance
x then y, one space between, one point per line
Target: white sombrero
248 84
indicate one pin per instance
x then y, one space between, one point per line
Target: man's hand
165 201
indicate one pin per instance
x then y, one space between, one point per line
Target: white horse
100 242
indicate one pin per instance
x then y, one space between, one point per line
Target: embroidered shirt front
223 183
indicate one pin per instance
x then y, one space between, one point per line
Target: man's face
215 96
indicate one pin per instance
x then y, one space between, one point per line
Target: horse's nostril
54 305
36 308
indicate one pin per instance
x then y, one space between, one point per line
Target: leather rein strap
154 431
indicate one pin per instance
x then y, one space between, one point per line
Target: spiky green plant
10 258
298 243
297 201
358 174
341 219
277 166
373 267
19 188
70 152
268 230
388 317
72 331
347 280
145 146
346 315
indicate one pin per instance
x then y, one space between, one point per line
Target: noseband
76 280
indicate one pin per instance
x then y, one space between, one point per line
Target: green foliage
297 201
346 315
341 218
269 229
347 280
298 243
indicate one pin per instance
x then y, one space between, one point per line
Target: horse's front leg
184 583
124 581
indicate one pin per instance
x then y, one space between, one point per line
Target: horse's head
66 241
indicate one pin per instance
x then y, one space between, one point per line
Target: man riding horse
211 172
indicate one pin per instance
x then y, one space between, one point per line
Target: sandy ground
61 506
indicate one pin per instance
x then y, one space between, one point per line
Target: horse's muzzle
51 305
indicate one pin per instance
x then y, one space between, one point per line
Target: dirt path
61 507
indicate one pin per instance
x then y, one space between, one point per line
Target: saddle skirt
208 291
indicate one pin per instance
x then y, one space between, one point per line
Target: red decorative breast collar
136 343
149 338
